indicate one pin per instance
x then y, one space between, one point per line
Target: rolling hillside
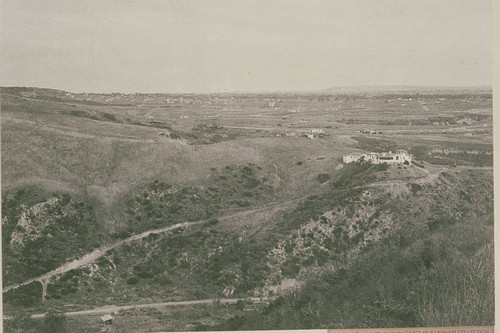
137 199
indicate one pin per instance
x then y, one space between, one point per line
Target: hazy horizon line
369 88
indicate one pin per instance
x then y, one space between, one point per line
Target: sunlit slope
43 145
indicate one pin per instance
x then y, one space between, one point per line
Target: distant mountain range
374 89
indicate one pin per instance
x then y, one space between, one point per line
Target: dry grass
464 296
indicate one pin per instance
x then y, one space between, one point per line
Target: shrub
323 177
252 182
247 170
415 188
212 222
27 295
384 166
133 280
122 234
146 274
109 116
290 269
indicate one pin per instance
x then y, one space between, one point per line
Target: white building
369 131
316 131
401 156
349 158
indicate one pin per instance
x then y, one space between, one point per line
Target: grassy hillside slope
354 245
439 279
433 268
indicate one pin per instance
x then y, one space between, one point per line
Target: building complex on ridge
401 156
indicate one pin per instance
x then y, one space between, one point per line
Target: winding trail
96 254
429 179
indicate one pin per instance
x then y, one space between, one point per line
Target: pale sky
237 45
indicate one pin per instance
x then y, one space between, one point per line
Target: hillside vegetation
41 231
185 197
439 279
429 268
343 248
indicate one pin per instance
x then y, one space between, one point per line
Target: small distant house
369 131
467 121
107 319
316 131
400 157
312 135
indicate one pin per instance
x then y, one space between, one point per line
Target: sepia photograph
236 165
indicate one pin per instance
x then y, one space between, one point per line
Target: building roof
107 317
387 154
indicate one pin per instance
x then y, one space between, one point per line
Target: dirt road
115 308
96 254
429 179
